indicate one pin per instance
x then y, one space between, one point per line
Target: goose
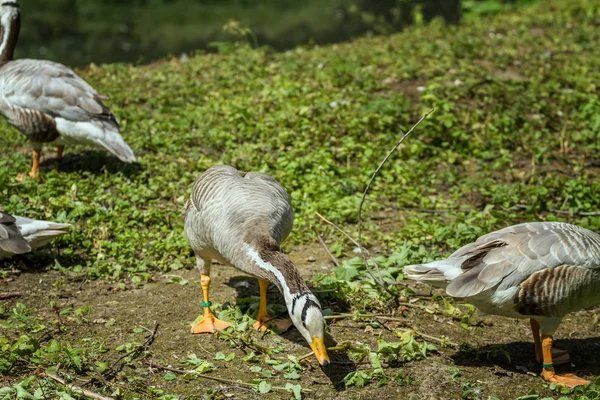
49 103
536 270
240 219
19 235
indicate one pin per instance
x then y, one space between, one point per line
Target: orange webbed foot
210 325
567 380
281 325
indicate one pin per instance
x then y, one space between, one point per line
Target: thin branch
9 295
429 210
77 389
100 376
338 229
564 212
214 378
353 241
381 282
333 258
147 342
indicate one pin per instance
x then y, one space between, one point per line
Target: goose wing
11 240
510 256
251 201
39 233
53 89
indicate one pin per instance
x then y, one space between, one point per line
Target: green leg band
206 304
548 366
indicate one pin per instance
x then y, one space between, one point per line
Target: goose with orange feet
539 270
240 219
50 103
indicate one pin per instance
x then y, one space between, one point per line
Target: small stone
310 259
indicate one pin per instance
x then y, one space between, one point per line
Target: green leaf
219 356
204 367
295 389
102 366
267 373
292 375
264 387
7 393
346 273
169 376
255 368
230 357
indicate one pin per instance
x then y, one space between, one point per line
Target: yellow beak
318 347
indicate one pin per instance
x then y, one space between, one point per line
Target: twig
435 339
362 316
9 295
77 389
147 342
214 378
564 212
428 210
100 376
338 228
380 282
333 258
345 234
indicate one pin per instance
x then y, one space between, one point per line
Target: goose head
10 23
305 312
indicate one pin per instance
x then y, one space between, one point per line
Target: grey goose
49 103
240 219
537 270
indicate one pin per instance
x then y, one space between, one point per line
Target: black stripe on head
10 4
309 303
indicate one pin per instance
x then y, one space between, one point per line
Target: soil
487 371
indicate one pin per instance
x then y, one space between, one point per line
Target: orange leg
568 380
35 164
559 356
209 323
262 317
59 156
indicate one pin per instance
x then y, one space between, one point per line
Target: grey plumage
48 102
240 219
540 270
20 235
229 209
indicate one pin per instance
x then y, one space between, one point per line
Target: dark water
77 32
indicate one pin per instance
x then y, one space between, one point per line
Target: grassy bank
514 137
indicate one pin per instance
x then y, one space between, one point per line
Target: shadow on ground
519 357
95 162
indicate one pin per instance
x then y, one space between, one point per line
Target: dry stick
564 212
214 378
343 233
100 376
77 389
146 343
333 258
380 282
9 295
352 240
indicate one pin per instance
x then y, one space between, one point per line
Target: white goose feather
20 235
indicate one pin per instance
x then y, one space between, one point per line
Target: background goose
538 270
48 102
20 235
240 219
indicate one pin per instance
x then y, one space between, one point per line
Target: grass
514 137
